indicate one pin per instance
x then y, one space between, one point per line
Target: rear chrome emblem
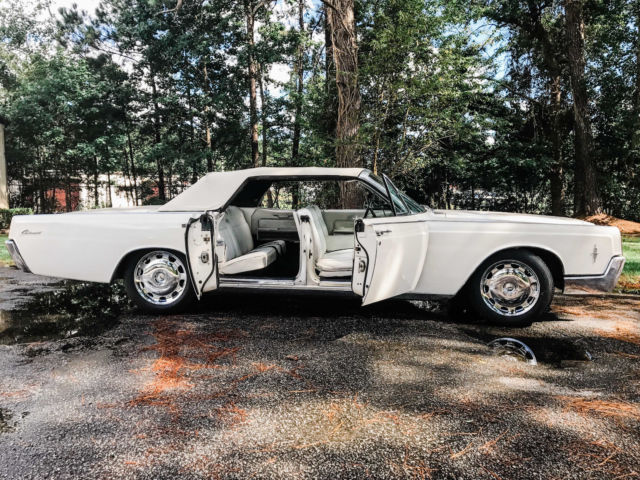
594 254
29 232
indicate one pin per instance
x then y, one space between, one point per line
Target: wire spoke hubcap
510 287
160 278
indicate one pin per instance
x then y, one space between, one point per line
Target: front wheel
511 288
158 281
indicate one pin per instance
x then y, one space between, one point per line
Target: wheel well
554 264
549 258
122 265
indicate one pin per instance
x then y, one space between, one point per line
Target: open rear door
389 256
201 258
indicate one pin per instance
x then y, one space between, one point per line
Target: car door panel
389 257
201 258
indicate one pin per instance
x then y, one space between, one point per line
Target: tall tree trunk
379 127
109 199
253 109
127 173
207 126
331 96
265 131
551 57
96 194
131 157
67 194
299 72
263 118
156 129
586 199
41 182
636 96
557 169
344 46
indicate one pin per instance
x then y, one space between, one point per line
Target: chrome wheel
160 278
510 288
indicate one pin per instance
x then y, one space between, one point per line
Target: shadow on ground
313 387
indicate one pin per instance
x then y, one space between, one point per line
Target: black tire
179 304
482 303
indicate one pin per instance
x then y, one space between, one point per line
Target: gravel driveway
311 387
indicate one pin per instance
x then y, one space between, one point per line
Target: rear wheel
158 281
512 288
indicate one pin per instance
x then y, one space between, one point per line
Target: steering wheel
369 208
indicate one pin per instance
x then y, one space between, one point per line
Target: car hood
504 217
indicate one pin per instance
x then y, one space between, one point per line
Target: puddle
550 351
5 418
72 310
510 347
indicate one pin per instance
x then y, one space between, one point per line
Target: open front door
389 256
203 265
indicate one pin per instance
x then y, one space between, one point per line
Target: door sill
283 284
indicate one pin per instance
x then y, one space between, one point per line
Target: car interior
260 233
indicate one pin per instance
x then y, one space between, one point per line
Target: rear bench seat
240 253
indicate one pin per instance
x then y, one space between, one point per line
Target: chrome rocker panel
579 285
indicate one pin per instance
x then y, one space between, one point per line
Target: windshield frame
395 195
381 187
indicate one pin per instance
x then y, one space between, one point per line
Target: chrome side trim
280 284
15 255
596 283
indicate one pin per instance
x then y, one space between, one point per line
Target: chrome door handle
382 232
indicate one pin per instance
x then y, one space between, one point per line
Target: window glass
292 195
402 201
414 206
325 194
398 202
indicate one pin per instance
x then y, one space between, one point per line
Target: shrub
6 214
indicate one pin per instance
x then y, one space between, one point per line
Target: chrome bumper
596 283
15 255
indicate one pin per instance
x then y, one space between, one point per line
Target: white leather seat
336 264
328 264
239 252
333 242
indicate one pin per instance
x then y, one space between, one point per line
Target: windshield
398 203
414 206
402 203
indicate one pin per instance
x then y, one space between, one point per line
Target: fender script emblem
29 232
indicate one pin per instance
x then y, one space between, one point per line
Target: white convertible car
244 230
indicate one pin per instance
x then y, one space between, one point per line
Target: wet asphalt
257 386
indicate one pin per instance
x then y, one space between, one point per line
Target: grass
630 279
5 258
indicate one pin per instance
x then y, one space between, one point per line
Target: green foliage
630 279
6 214
5 258
456 97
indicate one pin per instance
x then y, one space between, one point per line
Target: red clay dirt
627 227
